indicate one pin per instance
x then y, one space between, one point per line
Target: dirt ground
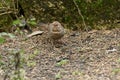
93 55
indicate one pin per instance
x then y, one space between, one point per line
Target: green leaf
15 22
31 64
10 35
33 19
58 75
115 71
32 22
2 63
2 40
118 60
62 62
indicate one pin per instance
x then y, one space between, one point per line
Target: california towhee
43 26
55 30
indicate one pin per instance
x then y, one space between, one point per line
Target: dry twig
79 12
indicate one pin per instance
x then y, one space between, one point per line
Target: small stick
79 12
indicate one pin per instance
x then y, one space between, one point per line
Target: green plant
77 73
16 22
16 61
21 75
62 62
118 60
115 71
21 22
1 61
32 63
32 21
2 40
58 75
4 34
35 53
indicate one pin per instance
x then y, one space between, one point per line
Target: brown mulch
93 55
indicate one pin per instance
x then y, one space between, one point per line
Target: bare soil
93 55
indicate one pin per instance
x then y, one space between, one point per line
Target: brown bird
43 26
55 30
